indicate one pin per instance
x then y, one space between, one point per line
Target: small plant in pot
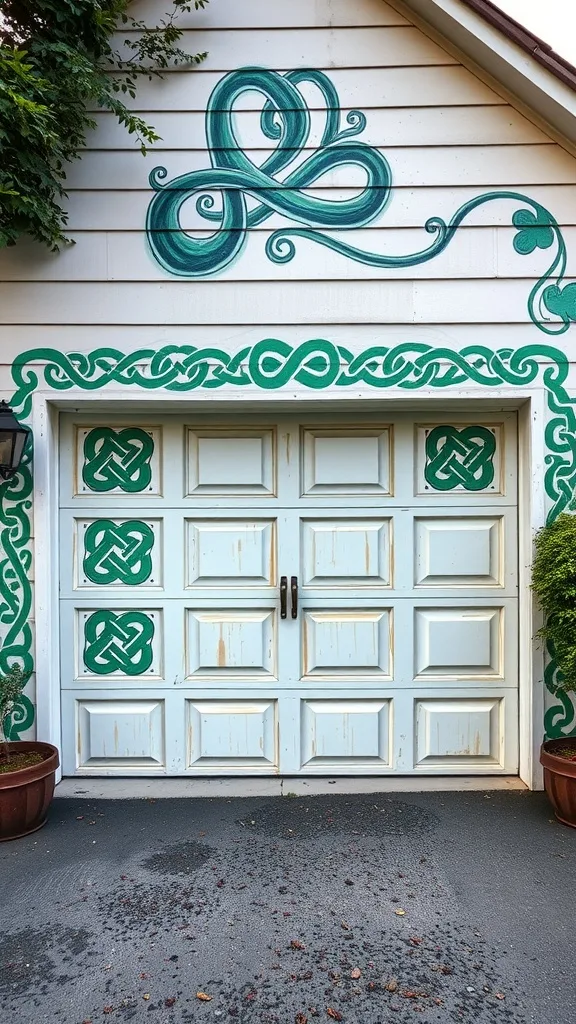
27 769
554 582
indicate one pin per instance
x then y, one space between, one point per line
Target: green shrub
554 582
11 688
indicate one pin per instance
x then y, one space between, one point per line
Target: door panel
231 643
231 463
223 734
230 552
464 551
345 552
346 643
355 733
336 461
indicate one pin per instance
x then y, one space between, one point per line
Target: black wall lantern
12 441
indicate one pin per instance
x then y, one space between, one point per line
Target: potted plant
554 582
27 769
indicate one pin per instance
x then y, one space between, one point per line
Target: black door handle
294 591
283 596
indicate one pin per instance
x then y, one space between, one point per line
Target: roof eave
521 62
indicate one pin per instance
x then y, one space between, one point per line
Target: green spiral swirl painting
275 189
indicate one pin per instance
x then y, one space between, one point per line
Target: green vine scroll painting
269 364
285 119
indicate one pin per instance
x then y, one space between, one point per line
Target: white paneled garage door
317 595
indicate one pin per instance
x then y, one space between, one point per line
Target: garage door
308 596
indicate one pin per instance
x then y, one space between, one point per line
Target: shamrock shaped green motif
562 301
533 232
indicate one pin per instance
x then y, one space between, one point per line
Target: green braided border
272 364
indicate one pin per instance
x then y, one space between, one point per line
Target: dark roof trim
517 33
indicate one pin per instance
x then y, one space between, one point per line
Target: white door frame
531 406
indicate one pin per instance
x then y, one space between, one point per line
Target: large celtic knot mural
249 194
118 552
460 458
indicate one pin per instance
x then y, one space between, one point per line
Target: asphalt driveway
291 910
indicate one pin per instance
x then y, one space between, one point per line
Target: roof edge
513 62
527 40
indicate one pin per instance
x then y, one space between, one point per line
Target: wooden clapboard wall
446 135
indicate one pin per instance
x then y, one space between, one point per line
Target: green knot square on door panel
118 459
118 552
460 458
118 642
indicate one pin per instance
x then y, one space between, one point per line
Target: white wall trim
46 570
531 516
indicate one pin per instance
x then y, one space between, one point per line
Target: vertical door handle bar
294 591
283 596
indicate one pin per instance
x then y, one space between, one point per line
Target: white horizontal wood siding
387 127
446 135
286 48
118 211
275 303
477 253
249 14
489 166
381 86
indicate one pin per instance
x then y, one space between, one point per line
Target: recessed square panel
231 643
459 458
119 642
230 552
347 643
118 553
228 734
459 552
122 734
124 460
346 552
231 463
459 643
345 732
458 731
345 461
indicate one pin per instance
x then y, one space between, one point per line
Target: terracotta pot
559 781
25 795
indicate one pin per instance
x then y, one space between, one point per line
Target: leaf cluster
554 582
11 689
60 59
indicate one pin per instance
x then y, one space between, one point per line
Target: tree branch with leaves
60 60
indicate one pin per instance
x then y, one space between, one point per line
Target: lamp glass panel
18 448
6 445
